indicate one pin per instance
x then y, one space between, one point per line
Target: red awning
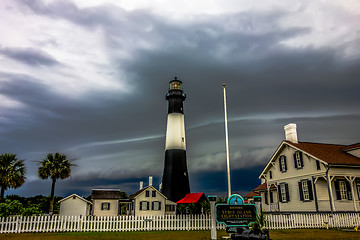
191 198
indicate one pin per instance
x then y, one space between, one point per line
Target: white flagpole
227 144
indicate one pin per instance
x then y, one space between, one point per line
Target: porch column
351 180
331 198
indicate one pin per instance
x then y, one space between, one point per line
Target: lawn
182 235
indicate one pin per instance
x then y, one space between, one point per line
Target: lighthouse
175 181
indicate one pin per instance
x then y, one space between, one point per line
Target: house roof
263 187
252 194
106 194
191 198
352 147
330 154
76 196
135 195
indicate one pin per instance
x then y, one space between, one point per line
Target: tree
12 172
54 166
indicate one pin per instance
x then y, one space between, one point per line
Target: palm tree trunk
51 210
2 193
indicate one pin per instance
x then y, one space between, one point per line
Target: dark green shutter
301 159
287 192
301 191
311 195
279 193
266 198
285 163
337 190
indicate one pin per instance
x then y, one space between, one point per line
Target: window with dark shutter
337 190
305 190
311 195
266 198
105 206
301 191
147 193
298 160
283 163
283 191
271 197
287 192
270 174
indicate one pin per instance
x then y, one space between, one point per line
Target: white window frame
144 205
305 190
156 206
105 206
283 193
298 160
282 162
343 190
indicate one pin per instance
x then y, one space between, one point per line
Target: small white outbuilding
74 205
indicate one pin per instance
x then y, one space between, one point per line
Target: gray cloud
29 56
118 137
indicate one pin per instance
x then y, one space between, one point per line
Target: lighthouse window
183 139
175 86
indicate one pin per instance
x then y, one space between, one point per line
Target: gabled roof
106 194
76 196
252 194
263 187
192 198
135 195
329 154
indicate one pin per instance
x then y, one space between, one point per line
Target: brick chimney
290 133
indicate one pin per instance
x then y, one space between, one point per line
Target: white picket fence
312 220
22 224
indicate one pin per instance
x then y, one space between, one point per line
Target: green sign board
235 212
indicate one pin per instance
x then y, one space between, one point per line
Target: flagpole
227 144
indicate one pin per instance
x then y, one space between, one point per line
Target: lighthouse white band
175 132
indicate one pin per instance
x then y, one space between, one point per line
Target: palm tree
12 172
54 166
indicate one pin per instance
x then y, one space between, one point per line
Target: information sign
235 212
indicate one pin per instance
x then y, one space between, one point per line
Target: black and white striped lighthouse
175 181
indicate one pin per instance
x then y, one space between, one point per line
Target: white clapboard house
311 177
105 202
149 201
74 205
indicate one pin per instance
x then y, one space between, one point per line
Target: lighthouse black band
175 182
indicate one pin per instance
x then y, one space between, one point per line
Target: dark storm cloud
118 138
29 56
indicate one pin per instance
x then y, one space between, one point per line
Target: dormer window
298 160
283 164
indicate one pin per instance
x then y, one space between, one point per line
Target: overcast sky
88 78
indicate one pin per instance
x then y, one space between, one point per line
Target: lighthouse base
175 181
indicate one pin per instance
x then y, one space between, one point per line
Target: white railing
312 220
20 224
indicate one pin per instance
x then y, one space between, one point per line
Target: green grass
182 235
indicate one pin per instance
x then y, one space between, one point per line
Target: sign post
212 200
